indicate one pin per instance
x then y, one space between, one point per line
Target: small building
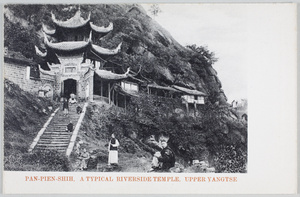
164 91
24 72
191 98
127 88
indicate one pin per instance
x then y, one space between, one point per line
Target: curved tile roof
189 91
45 72
162 87
67 46
48 31
108 75
40 53
74 22
105 51
102 29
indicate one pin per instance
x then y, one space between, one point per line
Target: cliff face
145 43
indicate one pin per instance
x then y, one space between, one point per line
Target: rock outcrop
145 43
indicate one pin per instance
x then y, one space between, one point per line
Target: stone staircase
55 136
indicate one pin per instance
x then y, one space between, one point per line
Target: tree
155 10
204 53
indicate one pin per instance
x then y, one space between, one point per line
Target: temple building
71 63
75 63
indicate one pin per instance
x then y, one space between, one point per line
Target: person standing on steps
72 99
78 110
66 107
113 150
70 127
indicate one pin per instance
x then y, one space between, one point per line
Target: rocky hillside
145 43
217 135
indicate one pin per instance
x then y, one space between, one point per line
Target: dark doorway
100 84
69 88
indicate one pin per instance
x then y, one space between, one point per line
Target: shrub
230 159
37 161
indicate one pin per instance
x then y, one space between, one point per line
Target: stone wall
19 74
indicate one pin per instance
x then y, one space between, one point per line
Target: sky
222 28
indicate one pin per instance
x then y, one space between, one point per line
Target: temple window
127 86
70 69
33 72
200 100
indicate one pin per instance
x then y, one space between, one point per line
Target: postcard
150 98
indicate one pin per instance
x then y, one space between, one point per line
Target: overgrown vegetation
203 137
37 161
24 116
214 133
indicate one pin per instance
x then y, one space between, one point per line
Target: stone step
52 145
52 136
51 148
62 133
53 141
58 124
57 130
55 138
58 146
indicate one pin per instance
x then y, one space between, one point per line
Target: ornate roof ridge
74 22
102 29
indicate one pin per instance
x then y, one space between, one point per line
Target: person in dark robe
66 107
166 156
70 127
78 109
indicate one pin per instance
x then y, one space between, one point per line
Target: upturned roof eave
102 29
108 75
68 46
75 22
104 51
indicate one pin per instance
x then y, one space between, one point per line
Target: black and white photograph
146 89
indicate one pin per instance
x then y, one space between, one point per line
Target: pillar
109 101
187 108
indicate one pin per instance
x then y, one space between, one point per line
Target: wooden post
109 93
101 88
187 108
195 106
117 102
125 102
113 95
62 89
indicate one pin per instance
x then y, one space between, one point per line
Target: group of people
72 100
162 161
